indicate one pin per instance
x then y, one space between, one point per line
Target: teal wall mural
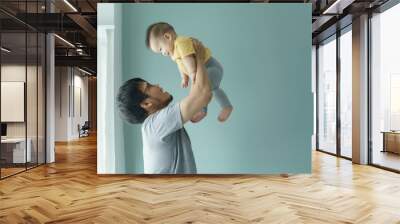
265 50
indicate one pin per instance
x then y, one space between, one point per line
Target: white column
50 100
314 93
360 90
110 140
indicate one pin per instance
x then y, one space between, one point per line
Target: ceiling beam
337 6
84 24
82 61
320 22
48 22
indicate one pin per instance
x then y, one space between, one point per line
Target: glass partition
41 87
23 91
32 95
14 153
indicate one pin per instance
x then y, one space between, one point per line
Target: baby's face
162 45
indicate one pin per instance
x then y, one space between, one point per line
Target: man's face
163 45
157 97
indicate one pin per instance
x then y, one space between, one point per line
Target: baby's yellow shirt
183 46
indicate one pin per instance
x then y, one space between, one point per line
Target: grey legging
215 73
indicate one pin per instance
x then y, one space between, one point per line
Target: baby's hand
185 81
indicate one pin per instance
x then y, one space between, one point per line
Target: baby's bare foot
225 113
198 116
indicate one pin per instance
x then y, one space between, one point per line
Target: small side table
391 141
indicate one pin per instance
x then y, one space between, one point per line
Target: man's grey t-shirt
166 144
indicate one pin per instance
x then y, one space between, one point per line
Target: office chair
84 130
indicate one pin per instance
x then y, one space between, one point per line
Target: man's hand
200 91
200 50
190 64
200 54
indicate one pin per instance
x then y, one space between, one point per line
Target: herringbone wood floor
70 191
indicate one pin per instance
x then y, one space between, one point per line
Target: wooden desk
391 141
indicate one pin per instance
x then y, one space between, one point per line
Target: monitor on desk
3 130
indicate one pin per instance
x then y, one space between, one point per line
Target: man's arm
190 65
184 77
200 92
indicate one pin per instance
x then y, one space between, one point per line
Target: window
346 92
385 88
327 95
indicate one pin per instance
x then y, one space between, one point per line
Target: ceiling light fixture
70 5
84 71
64 40
337 7
328 10
5 49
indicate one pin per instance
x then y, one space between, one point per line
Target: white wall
12 73
110 140
69 81
61 103
80 83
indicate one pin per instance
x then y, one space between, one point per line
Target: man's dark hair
157 29
128 101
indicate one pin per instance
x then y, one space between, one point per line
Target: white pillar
360 90
50 92
50 100
314 93
110 140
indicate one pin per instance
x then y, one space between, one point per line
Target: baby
161 38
